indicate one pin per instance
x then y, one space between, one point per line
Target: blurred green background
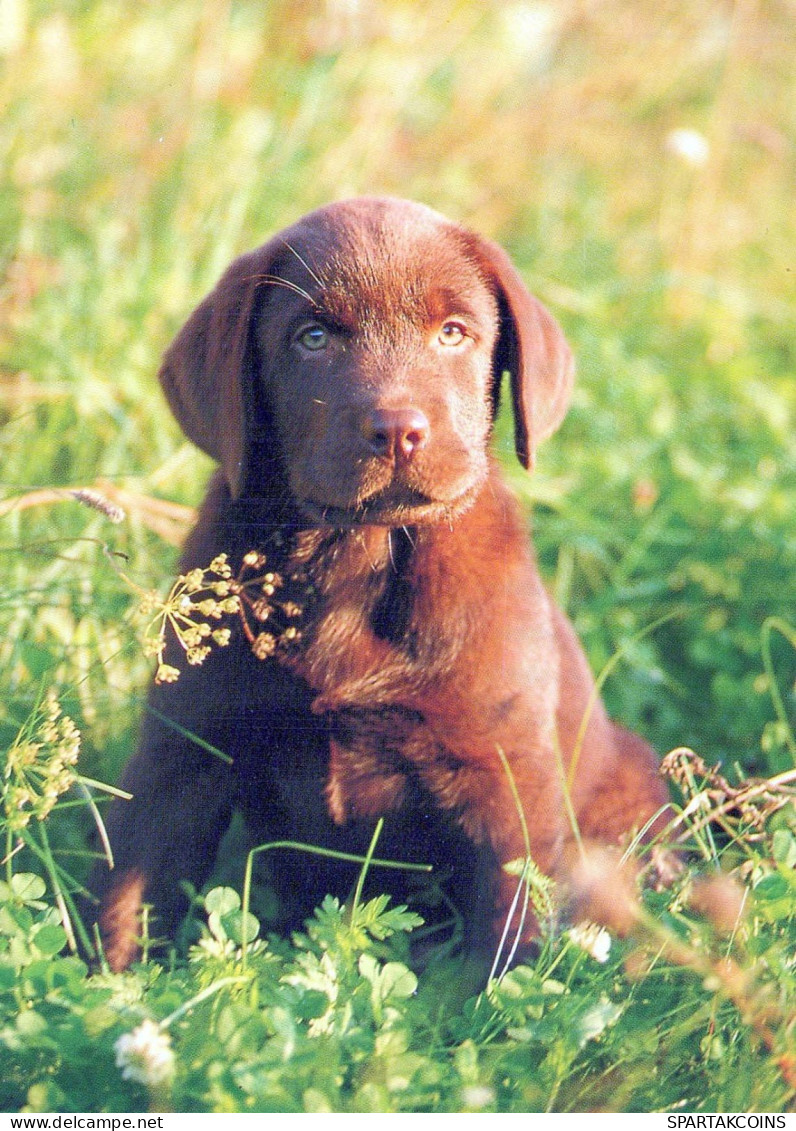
637 159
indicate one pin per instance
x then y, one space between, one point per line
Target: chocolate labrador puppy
396 653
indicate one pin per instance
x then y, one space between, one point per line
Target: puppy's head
357 357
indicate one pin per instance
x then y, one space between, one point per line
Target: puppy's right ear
532 347
210 363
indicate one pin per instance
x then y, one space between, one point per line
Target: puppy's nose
396 432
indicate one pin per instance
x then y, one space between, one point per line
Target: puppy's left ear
532 347
206 371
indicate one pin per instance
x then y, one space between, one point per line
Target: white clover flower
145 1054
592 938
689 145
477 1096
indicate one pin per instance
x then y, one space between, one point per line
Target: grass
142 148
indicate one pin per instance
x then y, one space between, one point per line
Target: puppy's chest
339 608
375 666
390 649
362 643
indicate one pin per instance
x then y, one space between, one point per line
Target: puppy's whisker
276 281
315 278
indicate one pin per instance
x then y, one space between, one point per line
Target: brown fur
430 650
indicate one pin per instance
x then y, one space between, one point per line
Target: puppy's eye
313 337
451 334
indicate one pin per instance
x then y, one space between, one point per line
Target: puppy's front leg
528 838
515 810
182 799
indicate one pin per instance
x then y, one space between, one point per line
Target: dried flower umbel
712 800
604 887
196 600
40 766
200 599
720 899
262 604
